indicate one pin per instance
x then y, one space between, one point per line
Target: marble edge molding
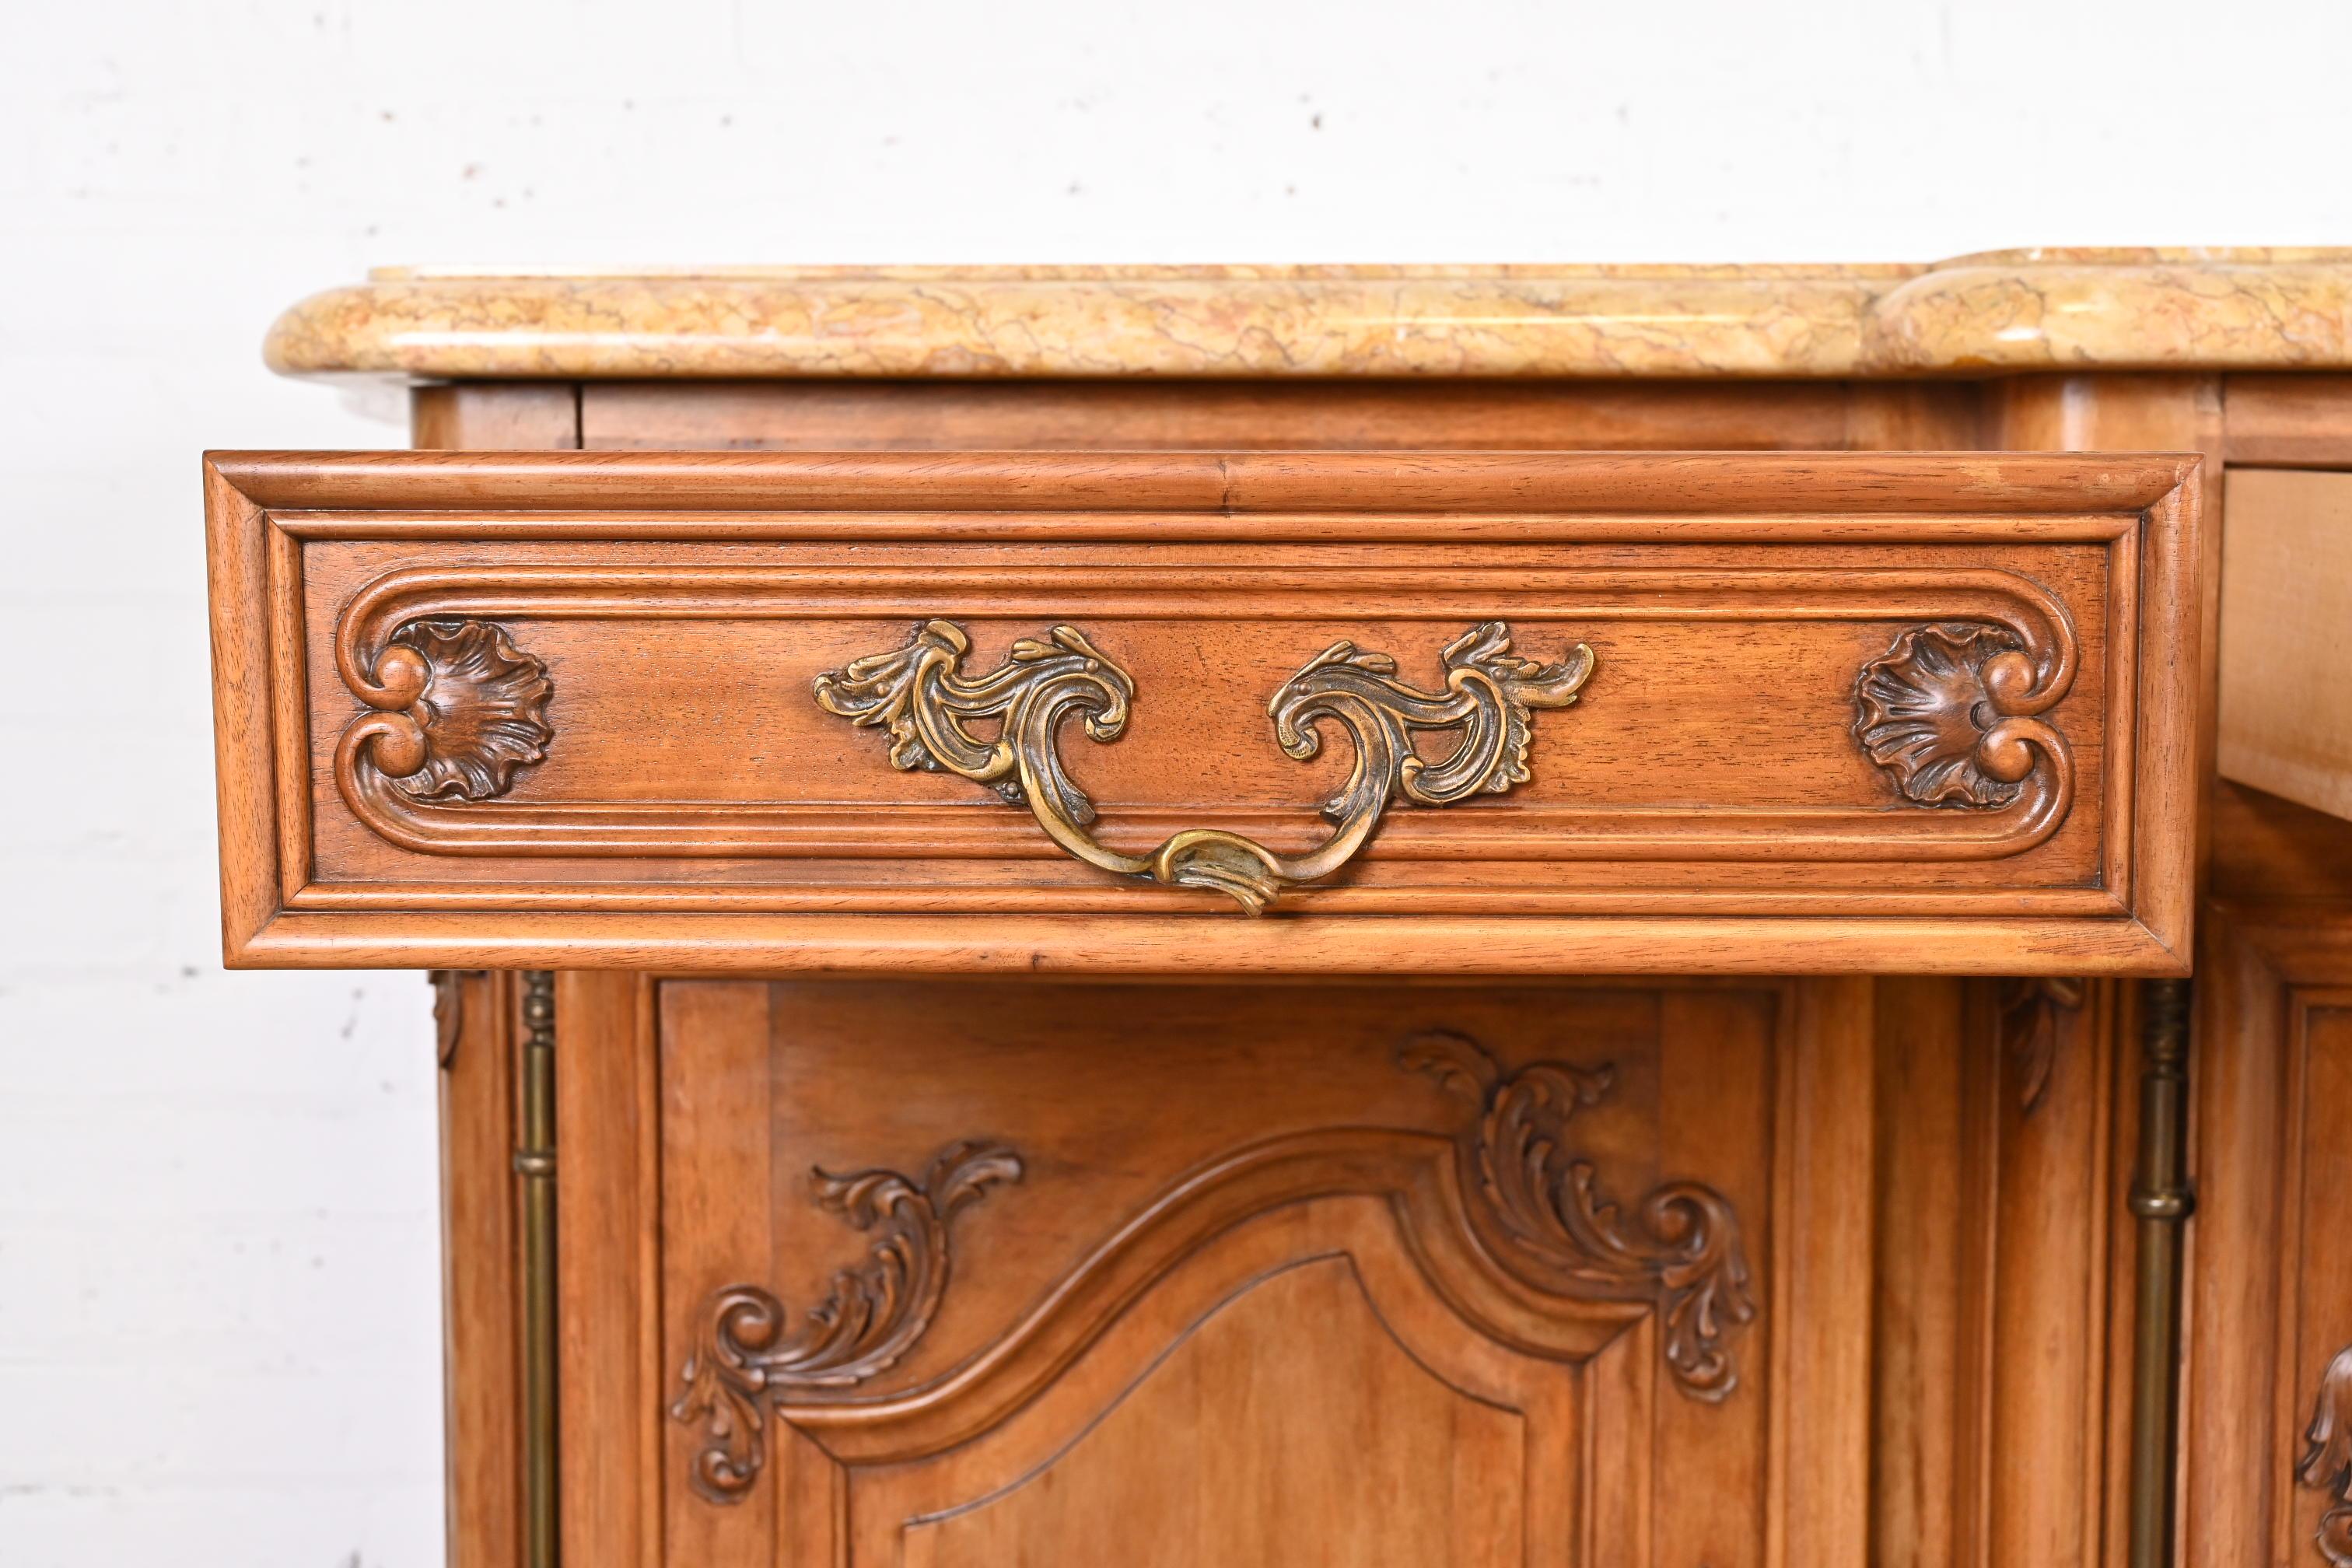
1997 311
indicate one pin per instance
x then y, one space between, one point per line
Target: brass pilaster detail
534 1164
2161 1201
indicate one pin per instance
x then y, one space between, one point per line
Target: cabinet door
1678 1273
1439 711
1184 1277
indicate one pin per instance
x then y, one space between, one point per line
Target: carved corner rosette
744 1360
1952 713
455 711
2326 1463
1678 1247
921 696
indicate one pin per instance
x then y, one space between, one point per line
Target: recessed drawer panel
1420 711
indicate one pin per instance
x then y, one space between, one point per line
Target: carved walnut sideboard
1185 917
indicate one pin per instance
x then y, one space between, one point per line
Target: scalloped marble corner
2002 311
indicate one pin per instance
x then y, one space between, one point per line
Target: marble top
1997 311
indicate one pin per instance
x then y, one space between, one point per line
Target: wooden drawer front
1742 711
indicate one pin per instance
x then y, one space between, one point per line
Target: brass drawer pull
922 696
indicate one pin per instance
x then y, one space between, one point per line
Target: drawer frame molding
2004 602
920 694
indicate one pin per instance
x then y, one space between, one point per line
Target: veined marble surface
1997 311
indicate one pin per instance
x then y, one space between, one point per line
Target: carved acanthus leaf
448 1012
2327 1458
2034 1015
872 1317
1680 1248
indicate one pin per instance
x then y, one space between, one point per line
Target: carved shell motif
483 711
1925 709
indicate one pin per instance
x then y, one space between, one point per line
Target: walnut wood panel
614 752
2290 421
2267 850
1370 415
501 416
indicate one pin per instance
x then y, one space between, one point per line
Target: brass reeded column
534 1164
2161 1201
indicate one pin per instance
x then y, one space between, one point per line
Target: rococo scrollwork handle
921 695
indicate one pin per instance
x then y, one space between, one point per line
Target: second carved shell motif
1922 711
483 709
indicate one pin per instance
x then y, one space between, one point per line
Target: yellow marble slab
2002 310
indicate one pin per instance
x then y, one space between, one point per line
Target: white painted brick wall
218 1298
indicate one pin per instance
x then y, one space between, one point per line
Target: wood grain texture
1686 801
2285 711
1600 485
607 1288
509 416
2289 421
2266 850
1931 1250
1229 415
